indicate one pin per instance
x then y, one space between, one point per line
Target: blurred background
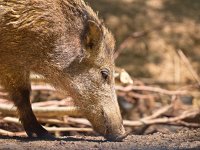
157 59
170 26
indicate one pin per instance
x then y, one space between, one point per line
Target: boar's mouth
117 138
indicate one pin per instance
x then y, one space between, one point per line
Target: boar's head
93 78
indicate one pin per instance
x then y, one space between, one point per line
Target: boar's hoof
45 135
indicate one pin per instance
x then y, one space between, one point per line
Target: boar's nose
116 135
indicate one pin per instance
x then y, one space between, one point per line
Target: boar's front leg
18 86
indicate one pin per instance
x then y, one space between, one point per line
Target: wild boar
66 42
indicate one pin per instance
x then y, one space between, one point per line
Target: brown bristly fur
66 42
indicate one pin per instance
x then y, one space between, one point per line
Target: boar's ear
92 37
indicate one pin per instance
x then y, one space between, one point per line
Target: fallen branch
42 111
132 36
50 129
42 88
11 120
9 133
73 111
189 66
185 124
64 102
65 129
4 132
144 121
125 89
159 112
150 89
69 120
140 96
165 120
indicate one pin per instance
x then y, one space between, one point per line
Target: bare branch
65 129
189 66
132 36
165 120
150 89
159 112
9 133
43 111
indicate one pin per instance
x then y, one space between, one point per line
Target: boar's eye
105 73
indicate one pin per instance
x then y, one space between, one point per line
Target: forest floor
184 139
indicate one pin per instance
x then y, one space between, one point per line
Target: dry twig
150 89
43 111
9 133
42 87
132 36
178 120
189 66
165 120
65 129
158 112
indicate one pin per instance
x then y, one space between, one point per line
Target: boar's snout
114 129
116 136
106 119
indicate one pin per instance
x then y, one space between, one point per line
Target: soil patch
184 139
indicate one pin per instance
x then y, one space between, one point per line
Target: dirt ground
182 140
